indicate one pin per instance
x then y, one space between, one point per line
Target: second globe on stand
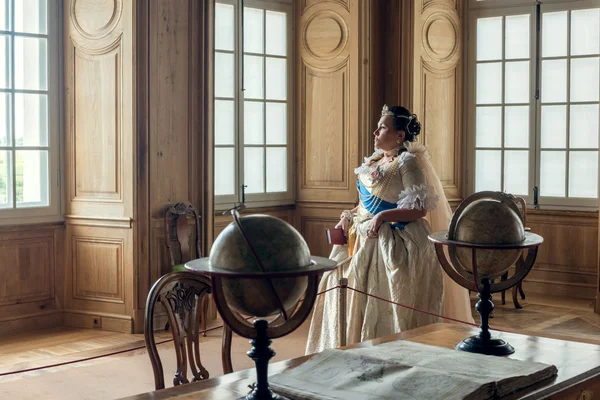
487 221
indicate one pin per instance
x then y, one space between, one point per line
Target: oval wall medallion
95 19
440 37
325 35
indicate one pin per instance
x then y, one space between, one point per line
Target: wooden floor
571 319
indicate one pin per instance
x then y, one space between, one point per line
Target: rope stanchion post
342 301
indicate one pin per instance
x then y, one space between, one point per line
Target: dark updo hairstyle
405 121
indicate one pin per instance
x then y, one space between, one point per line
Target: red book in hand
336 236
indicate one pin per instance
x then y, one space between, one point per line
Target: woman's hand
344 225
372 231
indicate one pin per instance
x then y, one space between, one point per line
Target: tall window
29 148
534 100
253 102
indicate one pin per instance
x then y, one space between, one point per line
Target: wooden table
578 366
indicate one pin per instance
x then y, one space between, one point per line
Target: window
534 98
253 103
29 117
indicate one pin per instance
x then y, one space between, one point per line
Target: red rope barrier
329 290
98 356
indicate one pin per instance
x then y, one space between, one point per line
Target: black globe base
491 347
484 343
261 353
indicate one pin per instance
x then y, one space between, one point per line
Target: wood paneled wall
31 277
333 109
99 54
567 262
434 88
174 128
138 140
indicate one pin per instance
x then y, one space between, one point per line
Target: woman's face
386 137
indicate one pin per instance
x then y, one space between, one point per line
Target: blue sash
375 205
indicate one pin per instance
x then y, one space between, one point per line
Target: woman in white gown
387 239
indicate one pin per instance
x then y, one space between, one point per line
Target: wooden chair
178 237
181 294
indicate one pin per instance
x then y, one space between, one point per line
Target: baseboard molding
31 322
105 322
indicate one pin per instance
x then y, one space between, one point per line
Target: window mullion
13 156
568 108
240 178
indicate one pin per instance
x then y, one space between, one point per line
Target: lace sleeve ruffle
418 197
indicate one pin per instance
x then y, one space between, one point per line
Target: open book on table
407 370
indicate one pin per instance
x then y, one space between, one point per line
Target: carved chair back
183 240
181 295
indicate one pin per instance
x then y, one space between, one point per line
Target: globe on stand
261 266
485 238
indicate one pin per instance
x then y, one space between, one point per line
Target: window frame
254 200
54 211
504 8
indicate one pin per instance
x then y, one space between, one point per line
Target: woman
387 238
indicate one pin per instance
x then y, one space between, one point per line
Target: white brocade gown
399 265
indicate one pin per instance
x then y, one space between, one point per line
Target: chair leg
226 350
515 300
203 313
521 292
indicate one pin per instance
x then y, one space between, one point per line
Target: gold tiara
385 111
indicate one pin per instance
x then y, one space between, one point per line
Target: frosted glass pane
4 21
5 118
253 77
31 119
31 63
554 81
5 77
516 44
31 177
584 126
277 169
516 126
585 32
489 38
583 174
516 172
553 173
224 77
489 83
488 164
276 123
585 84
254 169
224 122
254 122
554 34
554 127
253 30
31 16
224 171
224 27
516 82
277 82
5 179
488 132
276 37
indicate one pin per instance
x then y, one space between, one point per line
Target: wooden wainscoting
567 262
31 277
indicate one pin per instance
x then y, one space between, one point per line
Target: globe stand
261 353
483 343
262 331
